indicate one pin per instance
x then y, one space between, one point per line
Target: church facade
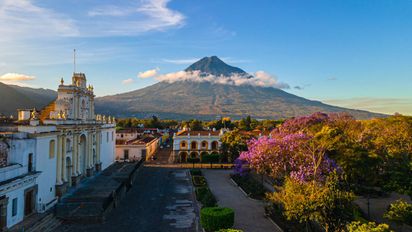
56 148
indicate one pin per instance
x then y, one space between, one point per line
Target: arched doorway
82 154
203 154
193 154
183 157
69 170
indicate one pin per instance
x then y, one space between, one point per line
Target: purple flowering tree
297 153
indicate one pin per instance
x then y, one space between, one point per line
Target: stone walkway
161 199
249 214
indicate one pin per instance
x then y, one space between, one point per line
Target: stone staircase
45 112
45 222
48 224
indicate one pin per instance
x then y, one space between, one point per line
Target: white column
98 146
76 170
90 147
58 165
63 169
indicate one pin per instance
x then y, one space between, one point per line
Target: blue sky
349 53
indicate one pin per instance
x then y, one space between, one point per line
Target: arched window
204 145
215 145
193 145
68 145
183 145
52 149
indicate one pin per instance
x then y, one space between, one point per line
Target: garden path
249 214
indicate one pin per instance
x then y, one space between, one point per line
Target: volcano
208 100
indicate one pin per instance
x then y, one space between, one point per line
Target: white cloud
260 79
127 81
109 10
148 73
16 77
132 19
22 18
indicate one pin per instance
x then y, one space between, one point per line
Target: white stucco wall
135 151
47 179
107 146
12 220
18 157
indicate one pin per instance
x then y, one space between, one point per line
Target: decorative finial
62 81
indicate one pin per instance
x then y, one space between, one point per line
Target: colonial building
195 144
137 148
52 150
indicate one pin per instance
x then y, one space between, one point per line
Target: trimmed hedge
216 218
252 187
199 181
213 158
201 192
206 197
195 172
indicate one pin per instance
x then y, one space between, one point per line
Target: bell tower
79 80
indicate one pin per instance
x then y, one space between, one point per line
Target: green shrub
399 212
201 192
205 196
212 158
216 218
357 226
195 172
208 200
199 181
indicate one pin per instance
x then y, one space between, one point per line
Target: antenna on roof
74 60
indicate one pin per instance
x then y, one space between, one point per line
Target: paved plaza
161 199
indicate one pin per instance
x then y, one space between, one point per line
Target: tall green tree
234 142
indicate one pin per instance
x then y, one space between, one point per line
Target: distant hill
207 100
15 97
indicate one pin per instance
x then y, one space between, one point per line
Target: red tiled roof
196 133
136 141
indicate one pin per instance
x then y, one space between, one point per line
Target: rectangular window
112 135
14 207
125 154
30 163
107 137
